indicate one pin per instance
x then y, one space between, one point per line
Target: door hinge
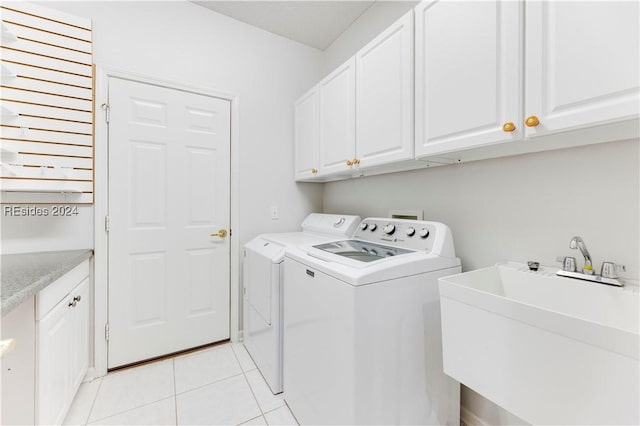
106 332
107 112
107 223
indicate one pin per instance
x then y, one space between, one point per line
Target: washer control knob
411 231
424 233
373 227
338 223
364 225
389 229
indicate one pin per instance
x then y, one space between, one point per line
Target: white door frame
101 205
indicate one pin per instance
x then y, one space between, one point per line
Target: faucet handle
568 263
610 269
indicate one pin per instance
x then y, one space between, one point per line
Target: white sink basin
551 350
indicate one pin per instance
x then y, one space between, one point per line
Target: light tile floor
214 386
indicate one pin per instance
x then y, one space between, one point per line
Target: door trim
101 206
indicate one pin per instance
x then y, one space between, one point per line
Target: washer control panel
410 234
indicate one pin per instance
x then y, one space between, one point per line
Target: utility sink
551 350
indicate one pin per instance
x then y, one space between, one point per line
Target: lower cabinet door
63 355
80 337
53 373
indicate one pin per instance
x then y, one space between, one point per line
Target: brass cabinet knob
532 121
356 161
221 233
314 170
508 126
349 163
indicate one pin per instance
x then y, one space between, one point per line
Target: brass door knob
508 126
349 163
532 121
314 171
221 233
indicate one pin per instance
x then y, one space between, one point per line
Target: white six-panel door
169 176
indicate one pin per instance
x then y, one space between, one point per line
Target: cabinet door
581 63
384 96
337 119
468 74
80 321
17 397
54 352
306 135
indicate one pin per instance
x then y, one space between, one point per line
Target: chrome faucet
578 243
608 274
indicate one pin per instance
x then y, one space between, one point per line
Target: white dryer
263 275
362 327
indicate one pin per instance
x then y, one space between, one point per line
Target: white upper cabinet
384 96
306 135
337 120
468 74
490 76
581 64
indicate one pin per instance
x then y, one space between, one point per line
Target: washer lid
266 249
362 251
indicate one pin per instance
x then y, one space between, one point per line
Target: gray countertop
23 275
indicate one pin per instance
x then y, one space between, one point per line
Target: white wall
182 42
20 234
368 25
514 208
525 207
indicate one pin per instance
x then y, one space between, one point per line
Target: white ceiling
314 23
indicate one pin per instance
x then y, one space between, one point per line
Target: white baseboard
91 375
470 419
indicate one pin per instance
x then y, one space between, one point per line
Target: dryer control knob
411 231
373 227
424 233
389 229
364 225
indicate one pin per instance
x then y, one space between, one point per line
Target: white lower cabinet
18 372
62 329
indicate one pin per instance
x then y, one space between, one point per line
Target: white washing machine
362 327
263 276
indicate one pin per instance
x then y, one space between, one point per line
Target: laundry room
320 212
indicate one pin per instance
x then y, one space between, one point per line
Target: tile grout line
95 398
127 410
130 409
175 395
244 373
207 384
